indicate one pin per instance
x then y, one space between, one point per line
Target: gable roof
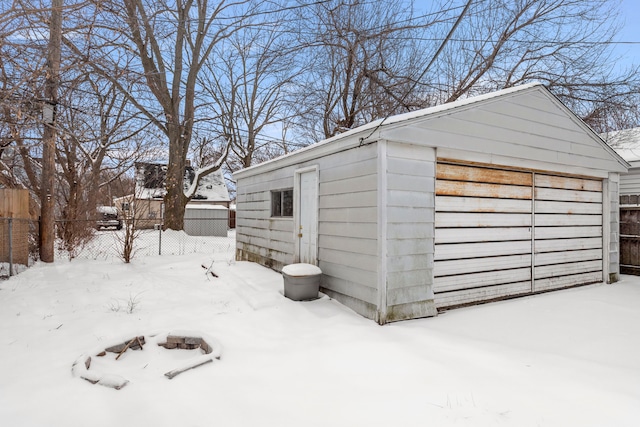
150 183
411 127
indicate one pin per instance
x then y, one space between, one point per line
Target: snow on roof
192 205
107 210
213 188
625 142
151 177
150 193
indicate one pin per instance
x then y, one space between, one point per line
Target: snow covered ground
569 358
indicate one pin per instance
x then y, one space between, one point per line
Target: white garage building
495 196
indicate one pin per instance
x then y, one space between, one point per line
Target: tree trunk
47 223
175 200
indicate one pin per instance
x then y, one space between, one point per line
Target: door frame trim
296 208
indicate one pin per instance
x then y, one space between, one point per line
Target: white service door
308 218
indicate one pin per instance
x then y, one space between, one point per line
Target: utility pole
47 223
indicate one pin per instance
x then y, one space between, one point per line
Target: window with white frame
282 203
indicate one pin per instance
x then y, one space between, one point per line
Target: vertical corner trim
606 229
382 231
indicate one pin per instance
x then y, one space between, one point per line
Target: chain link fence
91 239
198 237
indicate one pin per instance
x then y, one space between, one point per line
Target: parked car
108 217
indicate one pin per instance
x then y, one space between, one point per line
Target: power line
525 41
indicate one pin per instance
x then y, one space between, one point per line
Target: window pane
287 203
276 203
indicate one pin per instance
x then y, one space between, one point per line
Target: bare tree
363 56
170 42
21 64
103 133
98 139
369 59
222 80
566 44
247 80
100 132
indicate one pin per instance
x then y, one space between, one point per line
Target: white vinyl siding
409 215
347 224
347 230
630 182
528 130
259 237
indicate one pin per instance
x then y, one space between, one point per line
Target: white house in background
499 195
627 144
211 199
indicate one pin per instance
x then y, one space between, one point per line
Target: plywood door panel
456 266
569 208
569 183
568 242
470 235
568 268
559 282
475 219
476 189
469 296
460 251
562 232
568 256
479 174
572 220
559 245
559 194
487 233
477 204
483 226
477 280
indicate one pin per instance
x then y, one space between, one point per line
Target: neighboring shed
499 195
206 220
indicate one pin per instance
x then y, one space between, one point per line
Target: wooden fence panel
630 240
14 208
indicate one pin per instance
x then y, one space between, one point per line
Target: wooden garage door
568 232
502 233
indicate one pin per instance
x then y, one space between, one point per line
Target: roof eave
379 129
